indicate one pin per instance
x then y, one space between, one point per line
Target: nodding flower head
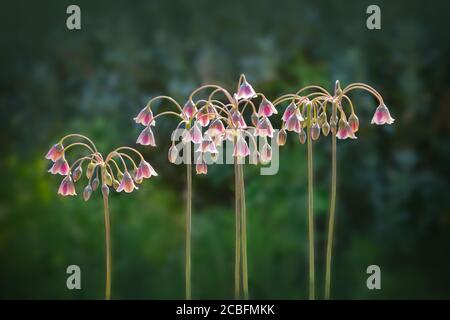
238 120
195 133
208 145
281 137
145 117
201 168
266 108
127 183
60 166
189 109
203 116
264 128
289 111
241 147
145 170
67 188
382 116
294 123
245 91
55 152
345 131
146 137
315 131
216 128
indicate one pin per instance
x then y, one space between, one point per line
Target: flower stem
331 218
107 248
188 230
237 261
244 233
310 210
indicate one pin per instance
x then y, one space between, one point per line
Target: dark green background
393 205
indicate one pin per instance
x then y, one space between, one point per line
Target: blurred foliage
393 182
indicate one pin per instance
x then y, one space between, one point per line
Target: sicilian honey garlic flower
55 152
67 188
382 116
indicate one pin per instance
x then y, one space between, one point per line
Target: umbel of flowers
208 122
123 169
313 111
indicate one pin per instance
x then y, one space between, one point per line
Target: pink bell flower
294 123
145 117
60 166
146 137
266 153
127 183
345 131
195 133
245 91
144 170
67 187
55 152
189 109
241 148
237 120
266 108
264 128
289 111
216 128
382 116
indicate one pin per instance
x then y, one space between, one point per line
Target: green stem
310 210
107 248
331 218
188 230
237 288
244 233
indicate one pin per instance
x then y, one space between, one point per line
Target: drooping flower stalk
99 166
243 213
188 226
344 130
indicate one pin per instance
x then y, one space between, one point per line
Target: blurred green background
393 206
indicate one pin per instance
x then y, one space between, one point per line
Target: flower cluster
208 122
118 170
309 112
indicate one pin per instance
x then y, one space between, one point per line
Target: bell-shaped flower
67 188
60 166
266 153
201 168
146 137
144 170
145 117
196 133
266 108
189 109
55 152
353 121
238 120
289 111
216 128
127 183
241 147
294 123
345 131
264 128
245 91
382 116
77 173
208 145
203 116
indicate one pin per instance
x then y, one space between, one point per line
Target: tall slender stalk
310 208
237 261
188 229
244 233
331 218
107 248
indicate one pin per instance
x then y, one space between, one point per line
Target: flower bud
325 128
173 154
108 179
353 121
119 175
302 136
266 153
90 170
333 125
95 183
77 173
116 184
315 131
255 119
105 190
87 192
281 137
